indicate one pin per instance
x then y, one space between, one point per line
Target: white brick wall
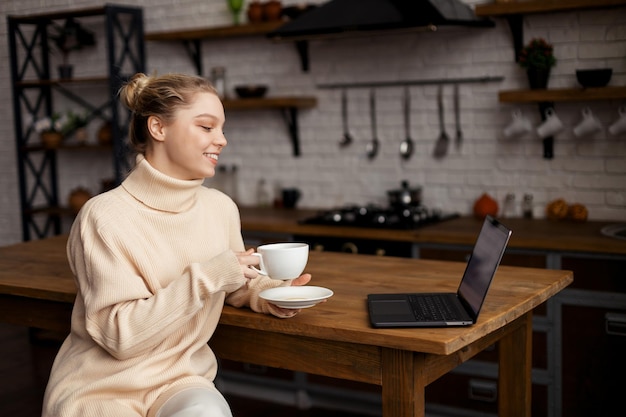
591 171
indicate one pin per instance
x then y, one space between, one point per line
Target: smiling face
188 147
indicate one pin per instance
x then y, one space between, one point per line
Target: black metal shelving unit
34 91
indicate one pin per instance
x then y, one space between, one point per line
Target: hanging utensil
372 147
457 118
441 146
346 139
406 146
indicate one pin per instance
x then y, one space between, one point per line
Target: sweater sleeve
249 295
125 313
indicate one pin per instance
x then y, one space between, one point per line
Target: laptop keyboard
432 307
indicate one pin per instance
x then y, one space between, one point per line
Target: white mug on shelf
588 125
518 126
619 126
551 126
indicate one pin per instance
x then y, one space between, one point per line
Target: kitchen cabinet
37 93
192 40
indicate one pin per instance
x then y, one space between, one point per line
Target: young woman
154 261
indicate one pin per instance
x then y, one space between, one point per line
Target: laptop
447 309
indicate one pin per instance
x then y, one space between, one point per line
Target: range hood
339 17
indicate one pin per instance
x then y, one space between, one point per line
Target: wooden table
333 339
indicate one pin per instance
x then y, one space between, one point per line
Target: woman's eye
207 128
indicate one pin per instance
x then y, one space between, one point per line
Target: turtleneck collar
159 191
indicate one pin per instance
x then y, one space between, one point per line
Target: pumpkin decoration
485 205
577 212
557 209
77 199
255 12
105 133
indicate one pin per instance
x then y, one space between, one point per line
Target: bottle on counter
263 195
508 207
218 79
527 206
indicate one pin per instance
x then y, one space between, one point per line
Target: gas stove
374 216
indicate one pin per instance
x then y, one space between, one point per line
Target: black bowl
250 91
293 12
594 77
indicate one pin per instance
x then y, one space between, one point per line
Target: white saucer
295 297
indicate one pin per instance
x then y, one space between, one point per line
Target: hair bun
130 91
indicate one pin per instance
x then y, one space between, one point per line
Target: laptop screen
483 263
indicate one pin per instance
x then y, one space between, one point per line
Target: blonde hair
159 96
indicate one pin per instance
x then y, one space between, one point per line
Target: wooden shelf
541 6
68 147
58 81
215 32
288 105
270 103
514 11
193 37
562 94
36 18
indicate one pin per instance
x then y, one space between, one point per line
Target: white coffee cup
588 125
282 260
619 126
518 126
551 126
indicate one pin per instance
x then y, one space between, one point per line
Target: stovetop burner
408 217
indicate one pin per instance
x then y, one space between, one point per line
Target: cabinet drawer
593 361
477 394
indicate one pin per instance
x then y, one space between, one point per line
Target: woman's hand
246 260
289 312
301 280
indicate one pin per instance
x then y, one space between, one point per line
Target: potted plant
54 129
78 122
537 57
70 37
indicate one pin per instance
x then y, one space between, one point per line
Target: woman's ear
156 128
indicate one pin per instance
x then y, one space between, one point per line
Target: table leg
515 370
403 383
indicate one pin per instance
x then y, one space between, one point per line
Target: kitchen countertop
533 234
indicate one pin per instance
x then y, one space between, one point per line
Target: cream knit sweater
154 262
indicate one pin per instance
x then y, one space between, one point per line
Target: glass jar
527 206
508 208
218 79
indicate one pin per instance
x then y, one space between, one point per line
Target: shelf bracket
303 52
290 114
516 24
548 143
195 52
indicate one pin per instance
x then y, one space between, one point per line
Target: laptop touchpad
392 307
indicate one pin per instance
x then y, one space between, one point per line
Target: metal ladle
441 146
406 146
346 139
372 148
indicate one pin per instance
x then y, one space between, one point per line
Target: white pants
196 402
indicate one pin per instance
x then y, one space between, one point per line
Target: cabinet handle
318 248
349 247
615 324
481 390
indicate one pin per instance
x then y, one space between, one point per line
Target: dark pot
65 72
538 78
291 197
405 196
